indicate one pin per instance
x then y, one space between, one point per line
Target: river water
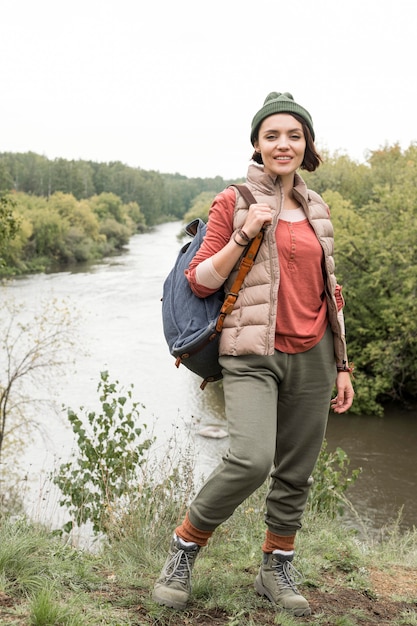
118 305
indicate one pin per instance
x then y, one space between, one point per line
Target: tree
377 265
9 224
6 180
200 206
339 173
78 214
108 205
33 347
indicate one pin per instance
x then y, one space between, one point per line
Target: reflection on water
385 448
119 304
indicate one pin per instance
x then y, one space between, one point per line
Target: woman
281 351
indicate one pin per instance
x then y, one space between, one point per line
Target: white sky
172 85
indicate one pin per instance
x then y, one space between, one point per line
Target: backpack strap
246 194
245 266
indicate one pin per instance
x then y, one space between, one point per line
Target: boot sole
297 612
172 604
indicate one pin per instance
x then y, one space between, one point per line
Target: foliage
332 477
9 224
161 197
47 610
110 454
44 576
200 207
374 212
33 345
19 547
62 230
353 181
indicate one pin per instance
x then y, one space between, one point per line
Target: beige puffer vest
250 328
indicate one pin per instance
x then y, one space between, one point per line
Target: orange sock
278 542
188 532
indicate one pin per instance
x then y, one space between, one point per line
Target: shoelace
179 567
288 575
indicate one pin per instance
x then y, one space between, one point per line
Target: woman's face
282 144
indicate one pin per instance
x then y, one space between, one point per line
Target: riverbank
45 581
118 308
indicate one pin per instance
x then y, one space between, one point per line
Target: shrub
110 453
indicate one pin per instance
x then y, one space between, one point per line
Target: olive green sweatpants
277 409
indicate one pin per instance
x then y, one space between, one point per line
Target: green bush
331 479
110 453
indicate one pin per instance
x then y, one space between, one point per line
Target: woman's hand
259 215
343 401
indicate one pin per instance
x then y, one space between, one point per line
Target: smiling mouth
280 158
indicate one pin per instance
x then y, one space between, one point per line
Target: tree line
78 211
60 231
161 197
72 210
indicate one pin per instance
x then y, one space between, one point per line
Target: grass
44 581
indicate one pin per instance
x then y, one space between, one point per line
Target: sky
173 86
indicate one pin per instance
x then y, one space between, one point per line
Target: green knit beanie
277 102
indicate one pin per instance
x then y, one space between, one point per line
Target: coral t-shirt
302 307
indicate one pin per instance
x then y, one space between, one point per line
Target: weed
331 479
45 610
408 618
344 620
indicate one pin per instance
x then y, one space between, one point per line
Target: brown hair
311 160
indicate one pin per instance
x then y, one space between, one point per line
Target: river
118 304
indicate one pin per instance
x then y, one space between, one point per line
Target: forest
54 213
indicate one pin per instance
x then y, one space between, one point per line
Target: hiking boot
275 580
173 586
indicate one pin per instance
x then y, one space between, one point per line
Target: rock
213 432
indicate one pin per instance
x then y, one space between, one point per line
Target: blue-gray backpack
192 325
